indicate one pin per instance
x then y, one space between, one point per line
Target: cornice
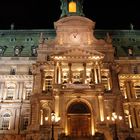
129 76
16 77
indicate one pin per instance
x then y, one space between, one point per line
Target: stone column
128 85
114 70
2 91
57 106
101 107
84 74
133 116
59 74
16 95
37 87
70 72
99 73
21 86
95 75
55 73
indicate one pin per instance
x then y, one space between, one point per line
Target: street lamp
114 117
54 119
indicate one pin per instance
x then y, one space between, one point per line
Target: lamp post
114 117
54 119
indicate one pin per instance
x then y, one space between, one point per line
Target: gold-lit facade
73 82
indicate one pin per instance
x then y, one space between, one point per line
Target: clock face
75 37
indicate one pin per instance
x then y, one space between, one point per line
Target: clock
75 37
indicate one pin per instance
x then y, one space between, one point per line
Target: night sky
40 14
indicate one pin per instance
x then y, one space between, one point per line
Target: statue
108 38
131 26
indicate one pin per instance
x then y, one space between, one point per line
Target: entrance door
79 120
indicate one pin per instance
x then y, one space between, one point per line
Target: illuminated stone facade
82 74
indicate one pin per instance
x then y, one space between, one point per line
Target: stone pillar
57 106
21 87
128 85
108 83
2 91
84 74
16 96
24 92
70 72
114 70
133 116
35 115
55 73
95 76
101 107
59 73
37 87
99 73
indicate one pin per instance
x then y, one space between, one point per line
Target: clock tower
71 8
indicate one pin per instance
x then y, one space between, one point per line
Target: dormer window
34 50
1 51
130 51
12 39
72 7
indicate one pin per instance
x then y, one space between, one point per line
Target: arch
80 121
78 107
81 100
5 120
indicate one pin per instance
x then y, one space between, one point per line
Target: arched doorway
79 119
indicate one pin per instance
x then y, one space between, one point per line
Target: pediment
78 52
74 21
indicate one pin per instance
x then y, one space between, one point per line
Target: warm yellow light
108 118
72 7
46 118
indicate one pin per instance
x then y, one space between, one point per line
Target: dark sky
40 14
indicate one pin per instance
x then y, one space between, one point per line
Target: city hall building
71 82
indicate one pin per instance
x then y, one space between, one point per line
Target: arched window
10 91
5 121
28 91
72 7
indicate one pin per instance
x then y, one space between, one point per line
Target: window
12 39
137 91
48 83
28 94
17 50
5 121
105 82
25 122
130 51
34 50
28 91
10 91
72 7
1 50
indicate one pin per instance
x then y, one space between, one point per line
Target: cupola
72 8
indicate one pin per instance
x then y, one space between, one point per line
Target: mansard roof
121 39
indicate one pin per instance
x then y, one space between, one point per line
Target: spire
72 8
